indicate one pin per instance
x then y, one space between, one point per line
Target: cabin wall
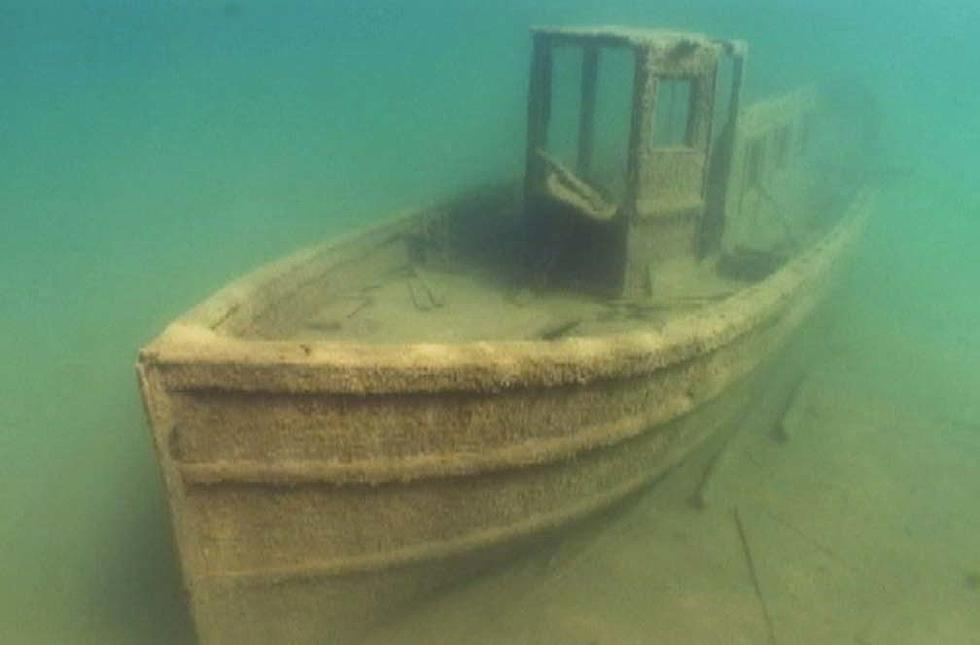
769 149
669 181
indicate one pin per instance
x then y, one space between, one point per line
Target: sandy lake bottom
861 528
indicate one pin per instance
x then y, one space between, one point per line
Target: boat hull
317 489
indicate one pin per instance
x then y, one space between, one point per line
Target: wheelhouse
607 212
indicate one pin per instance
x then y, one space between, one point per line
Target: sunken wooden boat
361 423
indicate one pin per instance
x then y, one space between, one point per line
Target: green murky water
151 151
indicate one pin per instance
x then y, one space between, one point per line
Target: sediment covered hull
317 486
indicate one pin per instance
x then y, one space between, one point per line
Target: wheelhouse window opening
607 170
565 105
672 115
589 119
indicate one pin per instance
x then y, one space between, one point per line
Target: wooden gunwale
191 356
638 354
677 402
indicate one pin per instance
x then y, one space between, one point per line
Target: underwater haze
151 151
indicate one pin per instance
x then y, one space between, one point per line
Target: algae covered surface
152 151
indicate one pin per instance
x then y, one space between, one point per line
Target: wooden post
538 112
720 191
701 110
738 54
636 277
700 134
644 95
586 126
738 80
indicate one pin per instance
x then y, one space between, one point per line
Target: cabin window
672 113
614 99
566 90
589 120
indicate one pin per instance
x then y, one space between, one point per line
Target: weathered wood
644 96
263 444
635 269
718 190
564 186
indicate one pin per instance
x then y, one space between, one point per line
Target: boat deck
422 305
459 274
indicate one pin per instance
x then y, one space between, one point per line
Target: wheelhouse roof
654 39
